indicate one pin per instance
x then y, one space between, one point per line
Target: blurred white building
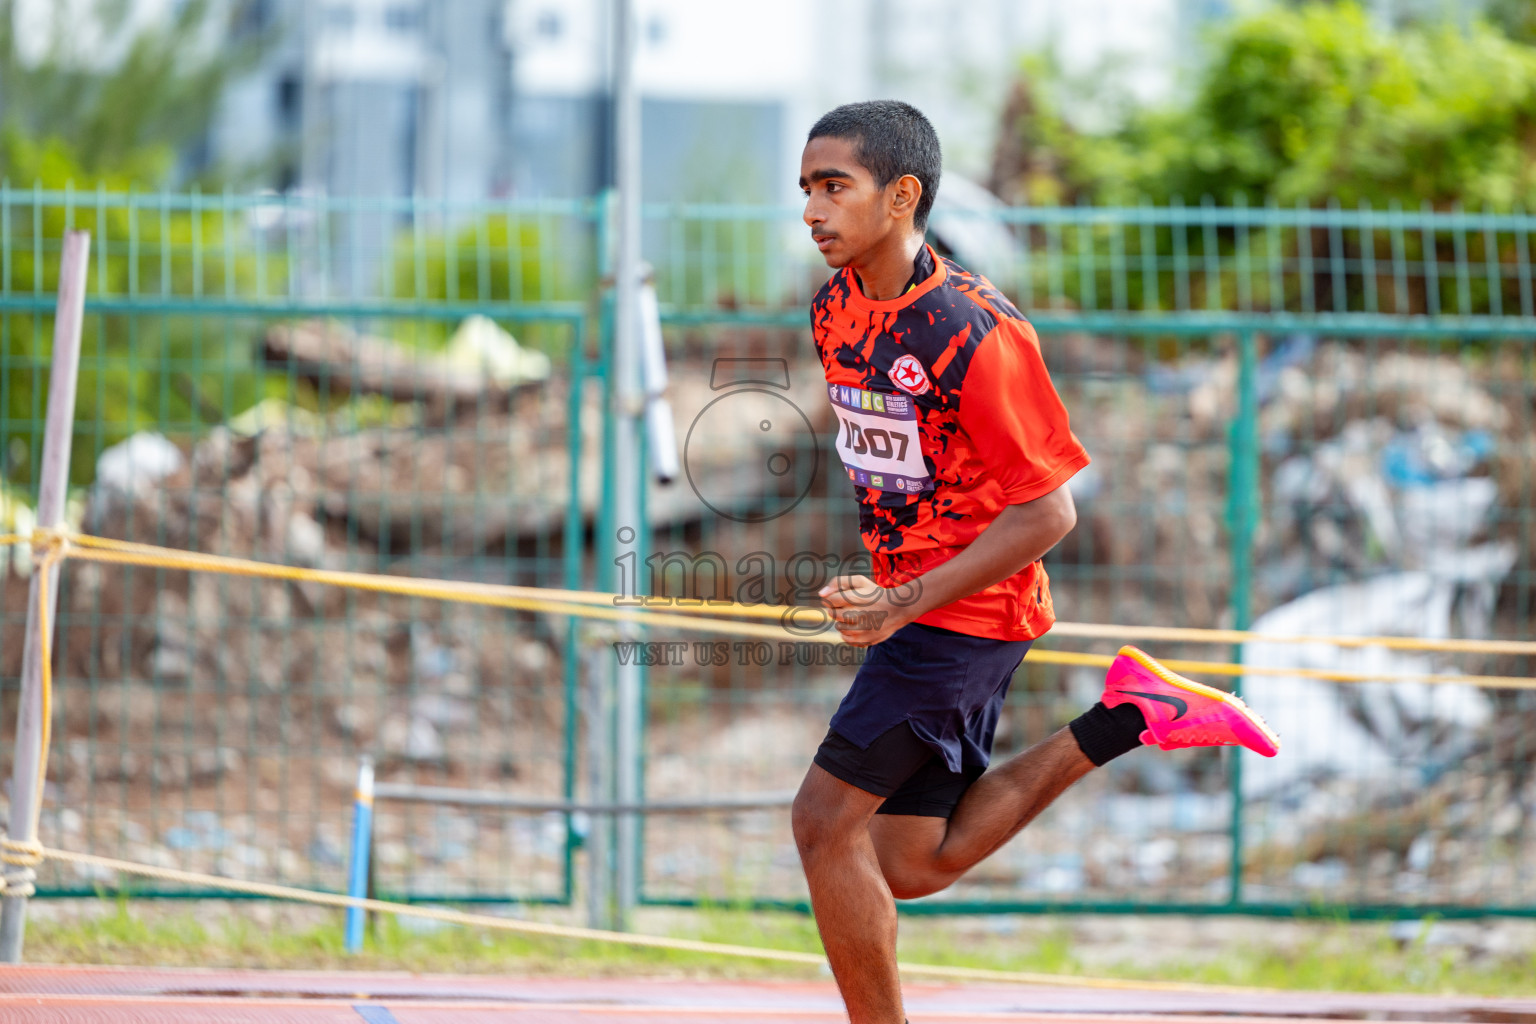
475 98
372 98
729 85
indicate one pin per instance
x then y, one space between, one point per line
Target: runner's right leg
855 913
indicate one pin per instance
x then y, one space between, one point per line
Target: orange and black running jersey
945 415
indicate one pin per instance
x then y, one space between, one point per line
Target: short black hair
890 138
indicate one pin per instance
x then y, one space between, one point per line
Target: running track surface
130 995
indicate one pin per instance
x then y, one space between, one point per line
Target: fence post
362 848
595 659
628 411
596 709
1242 521
30 750
573 545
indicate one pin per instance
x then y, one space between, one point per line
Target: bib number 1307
878 439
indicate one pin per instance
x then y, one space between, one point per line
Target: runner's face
847 213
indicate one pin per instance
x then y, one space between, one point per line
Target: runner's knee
815 822
821 820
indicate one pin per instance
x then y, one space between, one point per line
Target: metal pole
1243 518
362 846
452 797
599 829
630 401
27 769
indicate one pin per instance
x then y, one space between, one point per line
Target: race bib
878 439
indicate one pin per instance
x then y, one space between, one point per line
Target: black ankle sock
1103 733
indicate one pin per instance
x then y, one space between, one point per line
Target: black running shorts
901 768
916 726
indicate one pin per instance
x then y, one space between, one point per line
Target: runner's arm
1018 536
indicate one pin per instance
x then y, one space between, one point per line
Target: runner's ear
904 193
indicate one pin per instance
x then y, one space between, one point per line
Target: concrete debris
137 464
482 369
412 738
483 346
1388 480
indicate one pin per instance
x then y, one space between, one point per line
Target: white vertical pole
630 397
660 432
27 768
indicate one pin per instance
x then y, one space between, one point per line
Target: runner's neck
922 269
874 280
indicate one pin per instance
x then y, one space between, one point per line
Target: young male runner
959 450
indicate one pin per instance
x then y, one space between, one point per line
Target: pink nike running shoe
1181 712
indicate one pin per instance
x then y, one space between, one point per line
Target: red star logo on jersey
907 373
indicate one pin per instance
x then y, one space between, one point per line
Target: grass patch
1317 955
1366 958
122 931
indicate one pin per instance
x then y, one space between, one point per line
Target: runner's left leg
919 855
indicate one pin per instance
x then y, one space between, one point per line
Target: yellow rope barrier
513 598
1175 634
681 613
27 853
561 931
11 851
503 595
404 586
795 623
56 554
1226 668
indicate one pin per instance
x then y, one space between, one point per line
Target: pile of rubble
1395 482
189 693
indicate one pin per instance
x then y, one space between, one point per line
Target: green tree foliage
496 258
1516 17
174 373
1305 104
70 123
122 115
499 257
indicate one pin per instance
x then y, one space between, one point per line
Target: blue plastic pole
362 842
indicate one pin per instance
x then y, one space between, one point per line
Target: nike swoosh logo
1174 702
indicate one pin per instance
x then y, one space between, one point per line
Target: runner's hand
864 612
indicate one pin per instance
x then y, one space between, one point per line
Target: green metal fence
287 386
1313 420
1320 419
